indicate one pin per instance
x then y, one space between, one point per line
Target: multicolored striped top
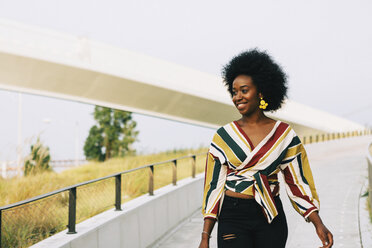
233 163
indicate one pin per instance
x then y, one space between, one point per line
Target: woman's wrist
207 229
206 235
315 219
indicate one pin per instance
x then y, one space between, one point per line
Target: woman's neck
254 118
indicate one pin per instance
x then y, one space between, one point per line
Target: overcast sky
324 46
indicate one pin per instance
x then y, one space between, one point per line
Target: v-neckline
249 140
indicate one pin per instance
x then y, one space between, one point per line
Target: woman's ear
260 95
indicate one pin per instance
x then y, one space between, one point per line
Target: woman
241 180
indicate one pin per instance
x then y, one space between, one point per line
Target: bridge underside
40 77
56 80
48 63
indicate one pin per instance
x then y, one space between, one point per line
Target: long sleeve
215 177
298 179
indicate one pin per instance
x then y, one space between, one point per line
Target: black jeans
243 224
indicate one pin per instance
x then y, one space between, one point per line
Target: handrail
72 190
315 138
91 181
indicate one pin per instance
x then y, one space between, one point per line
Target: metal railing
308 139
72 192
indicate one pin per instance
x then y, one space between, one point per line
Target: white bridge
53 64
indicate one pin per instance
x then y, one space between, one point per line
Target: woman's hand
204 243
323 233
206 233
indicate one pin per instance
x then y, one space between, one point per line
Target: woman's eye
244 91
233 93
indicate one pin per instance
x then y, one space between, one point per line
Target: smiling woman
241 189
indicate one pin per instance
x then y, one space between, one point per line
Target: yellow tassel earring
263 104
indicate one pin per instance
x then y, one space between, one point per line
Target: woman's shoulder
284 124
234 124
225 127
288 132
222 131
284 129
279 122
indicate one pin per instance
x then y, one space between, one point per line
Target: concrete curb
365 225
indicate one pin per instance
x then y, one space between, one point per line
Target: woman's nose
238 95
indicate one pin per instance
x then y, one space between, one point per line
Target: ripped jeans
243 224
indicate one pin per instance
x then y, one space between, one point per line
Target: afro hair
266 75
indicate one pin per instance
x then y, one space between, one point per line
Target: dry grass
26 225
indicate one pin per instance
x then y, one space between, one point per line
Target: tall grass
28 224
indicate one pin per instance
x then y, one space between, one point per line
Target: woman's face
245 96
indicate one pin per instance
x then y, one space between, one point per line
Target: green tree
38 160
112 136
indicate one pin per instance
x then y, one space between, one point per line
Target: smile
240 105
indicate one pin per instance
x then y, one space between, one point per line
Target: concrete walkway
340 170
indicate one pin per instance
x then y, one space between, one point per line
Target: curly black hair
266 75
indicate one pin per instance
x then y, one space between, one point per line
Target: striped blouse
234 164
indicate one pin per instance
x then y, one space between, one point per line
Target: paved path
339 169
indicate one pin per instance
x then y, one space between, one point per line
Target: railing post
311 139
151 180
118 192
304 140
317 138
174 172
193 166
323 137
72 211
